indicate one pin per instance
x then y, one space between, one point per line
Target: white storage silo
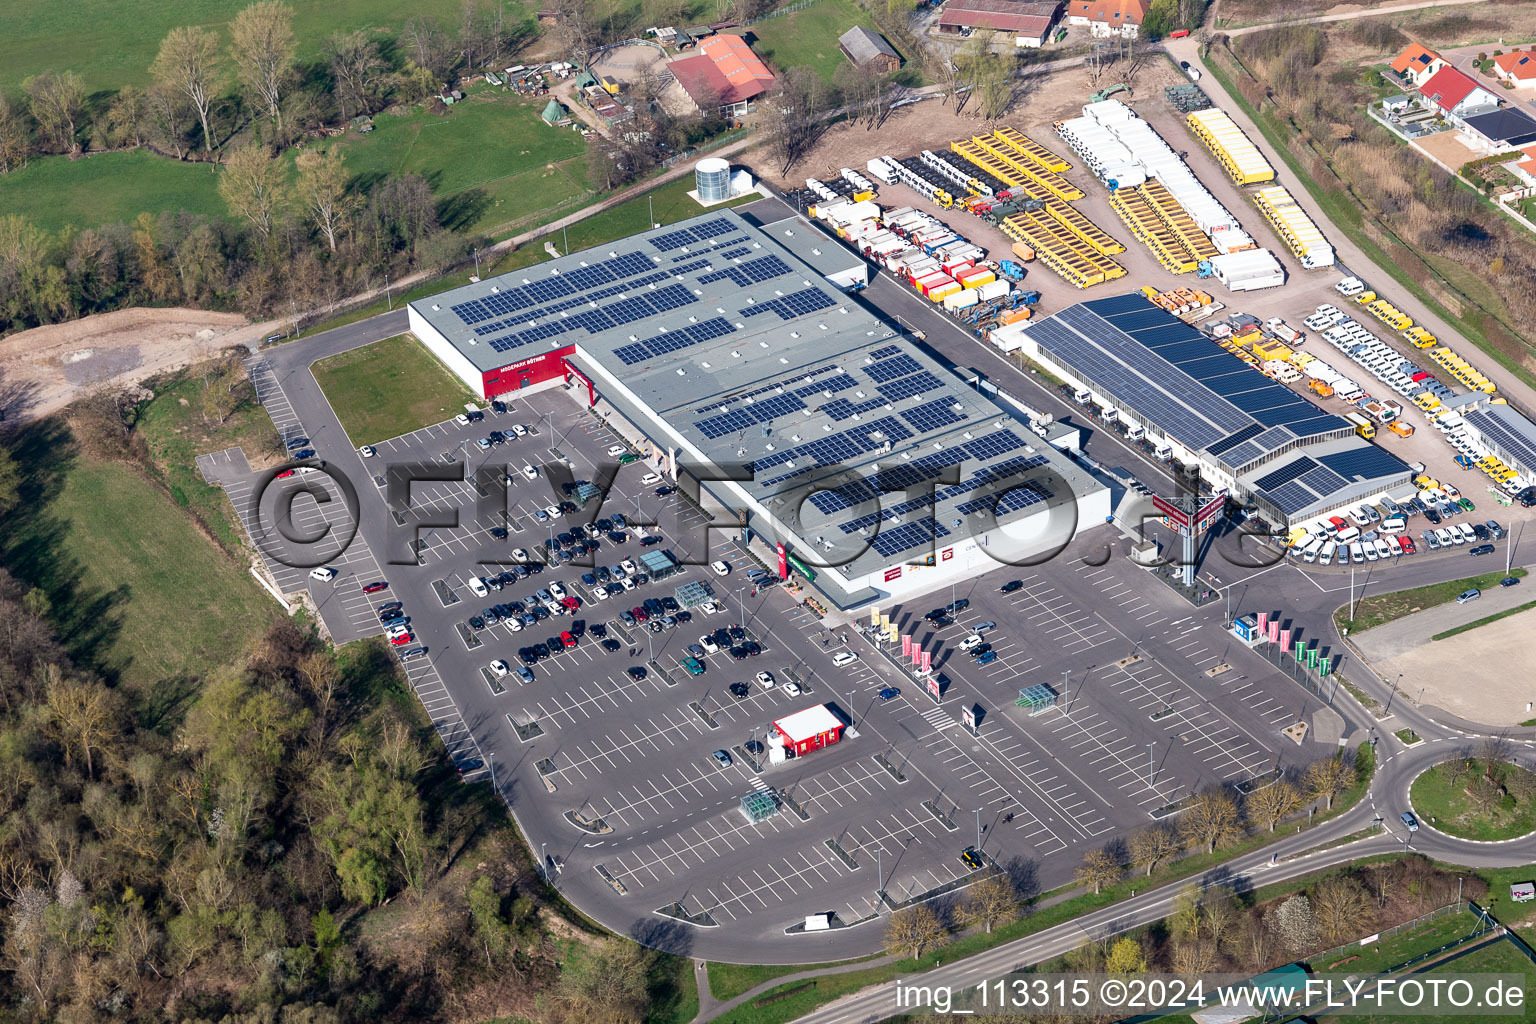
712 177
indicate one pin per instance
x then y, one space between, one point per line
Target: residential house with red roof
1416 64
1108 17
1518 68
1457 95
723 73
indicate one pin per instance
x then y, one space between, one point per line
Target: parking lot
607 754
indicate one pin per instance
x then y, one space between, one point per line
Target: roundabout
1470 799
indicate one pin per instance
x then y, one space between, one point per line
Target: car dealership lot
613 773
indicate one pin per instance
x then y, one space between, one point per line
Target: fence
1318 960
780 11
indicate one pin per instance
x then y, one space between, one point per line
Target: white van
1357 553
1325 557
1369 548
477 586
1449 536
650 478
1385 549
1312 551
1468 535
1394 524
842 658
1348 535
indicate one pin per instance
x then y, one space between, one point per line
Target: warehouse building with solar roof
735 350
1269 446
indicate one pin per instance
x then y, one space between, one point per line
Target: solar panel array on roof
884 352
1291 498
674 341
1285 474
1521 446
1322 480
1170 373
807 300
1231 441
888 369
843 446
1365 463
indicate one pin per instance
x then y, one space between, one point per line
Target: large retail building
734 348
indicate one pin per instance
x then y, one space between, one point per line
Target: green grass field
490 162
112 44
136 590
490 159
105 188
1376 609
389 388
809 38
1497 958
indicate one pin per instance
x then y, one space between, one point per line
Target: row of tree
208 87
1215 818
290 249
1211 928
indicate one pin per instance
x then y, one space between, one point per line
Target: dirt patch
1448 148
46 368
1466 674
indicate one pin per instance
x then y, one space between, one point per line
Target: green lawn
176 432
809 37
1375 609
674 992
111 44
727 981
136 590
489 159
1400 948
106 188
389 388
1451 809
1498 958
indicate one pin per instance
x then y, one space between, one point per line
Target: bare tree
1342 907
576 29
795 115
1212 820
1098 869
1495 751
15 139
322 189
56 101
1222 914
1193 955
1271 804
254 186
482 34
991 901
188 62
943 70
262 49
170 118
913 930
427 44
1153 845
989 75
357 69
1327 777
83 716
128 117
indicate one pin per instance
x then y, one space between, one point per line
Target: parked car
1469 595
375 587
722 758
890 692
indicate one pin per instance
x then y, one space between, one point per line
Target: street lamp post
387 296
477 262
978 828
1151 762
